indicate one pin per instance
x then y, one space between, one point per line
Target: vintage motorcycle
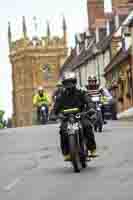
76 141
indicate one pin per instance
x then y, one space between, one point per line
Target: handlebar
78 115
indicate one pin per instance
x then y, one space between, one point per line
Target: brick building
87 60
119 72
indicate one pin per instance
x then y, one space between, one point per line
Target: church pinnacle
24 28
64 26
48 30
9 34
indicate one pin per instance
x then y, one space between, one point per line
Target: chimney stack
97 34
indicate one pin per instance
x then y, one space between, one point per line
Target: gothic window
22 100
122 88
17 78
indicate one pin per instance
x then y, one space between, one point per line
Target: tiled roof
73 62
82 58
104 44
68 62
76 61
120 56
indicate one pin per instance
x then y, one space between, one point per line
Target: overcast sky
75 12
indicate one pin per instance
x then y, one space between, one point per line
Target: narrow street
32 167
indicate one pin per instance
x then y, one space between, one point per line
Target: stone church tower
35 62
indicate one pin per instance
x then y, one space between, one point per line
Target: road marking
12 184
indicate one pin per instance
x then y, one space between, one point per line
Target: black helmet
59 84
89 78
69 79
94 78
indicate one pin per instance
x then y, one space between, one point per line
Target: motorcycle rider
107 98
94 89
92 86
41 98
72 97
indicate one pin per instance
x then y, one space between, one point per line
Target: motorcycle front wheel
74 153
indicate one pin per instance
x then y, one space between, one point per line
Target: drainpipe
98 69
132 58
117 21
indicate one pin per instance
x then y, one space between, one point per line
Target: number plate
72 128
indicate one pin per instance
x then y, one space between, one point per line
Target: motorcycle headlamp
71 119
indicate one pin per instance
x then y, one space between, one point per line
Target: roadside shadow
107 130
68 170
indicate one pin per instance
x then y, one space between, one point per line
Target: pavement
32 167
127 114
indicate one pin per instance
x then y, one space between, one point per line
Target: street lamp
96 51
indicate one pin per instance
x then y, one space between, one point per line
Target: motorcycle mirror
77 116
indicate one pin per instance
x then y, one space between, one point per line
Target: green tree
2 122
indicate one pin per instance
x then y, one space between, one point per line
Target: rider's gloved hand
93 117
60 116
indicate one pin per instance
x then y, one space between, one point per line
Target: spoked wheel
100 128
74 153
100 122
43 118
84 154
95 128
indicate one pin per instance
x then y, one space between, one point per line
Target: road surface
32 167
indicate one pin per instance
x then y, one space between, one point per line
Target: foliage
2 121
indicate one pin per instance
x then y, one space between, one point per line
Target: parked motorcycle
76 141
98 125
